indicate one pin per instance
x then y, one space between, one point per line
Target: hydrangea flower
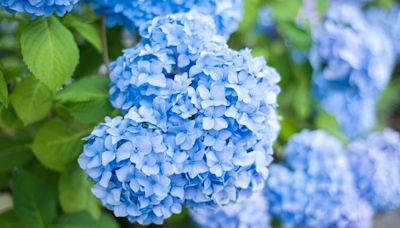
252 213
352 64
315 188
375 162
132 172
266 22
205 117
389 21
39 7
132 14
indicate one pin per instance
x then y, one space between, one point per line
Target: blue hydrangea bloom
266 22
132 14
315 188
211 112
133 173
375 162
251 213
389 21
352 64
39 7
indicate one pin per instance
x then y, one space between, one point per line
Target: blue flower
315 188
251 213
352 63
211 113
375 162
388 21
132 14
132 170
266 23
39 7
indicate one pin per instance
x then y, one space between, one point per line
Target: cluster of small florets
133 174
316 188
375 162
132 14
39 7
389 21
352 63
199 123
252 213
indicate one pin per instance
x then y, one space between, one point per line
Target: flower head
352 64
375 162
39 7
132 171
132 14
252 212
315 188
204 115
388 21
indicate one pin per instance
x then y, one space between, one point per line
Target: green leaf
31 100
86 30
389 102
9 119
87 100
303 98
250 17
288 128
298 35
282 11
56 145
13 153
90 112
322 6
34 203
327 122
10 220
78 198
86 89
4 180
90 61
179 220
50 177
84 220
50 51
3 91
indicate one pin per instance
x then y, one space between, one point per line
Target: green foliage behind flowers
47 105
53 91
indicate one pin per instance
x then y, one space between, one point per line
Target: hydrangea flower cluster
352 64
132 14
252 213
199 123
266 22
316 188
375 162
39 7
389 20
